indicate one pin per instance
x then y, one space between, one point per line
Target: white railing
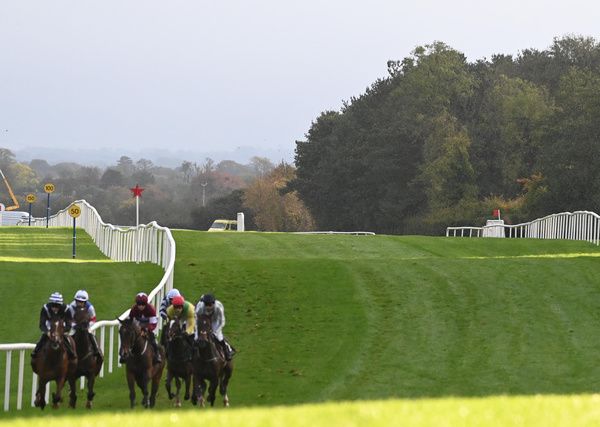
580 225
145 243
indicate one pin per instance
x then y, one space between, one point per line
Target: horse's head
81 317
56 332
175 330
204 325
128 333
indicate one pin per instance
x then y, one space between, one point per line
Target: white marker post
137 193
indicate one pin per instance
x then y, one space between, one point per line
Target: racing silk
164 304
187 314
218 317
90 309
146 317
63 313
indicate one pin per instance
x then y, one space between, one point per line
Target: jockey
167 301
145 313
82 300
55 307
214 309
181 309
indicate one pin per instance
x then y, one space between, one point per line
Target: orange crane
15 204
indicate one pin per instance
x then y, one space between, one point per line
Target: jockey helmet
55 298
177 301
81 295
141 298
208 299
172 294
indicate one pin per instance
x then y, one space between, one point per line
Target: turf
352 317
36 262
342 318
499 411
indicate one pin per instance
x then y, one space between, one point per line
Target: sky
193 76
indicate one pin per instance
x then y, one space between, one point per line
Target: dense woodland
440 141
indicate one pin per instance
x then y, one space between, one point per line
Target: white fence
580 225
145 243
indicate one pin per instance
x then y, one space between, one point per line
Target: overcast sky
198 75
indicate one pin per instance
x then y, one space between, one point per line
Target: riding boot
94 345
226 349
154 344
38 346
70 351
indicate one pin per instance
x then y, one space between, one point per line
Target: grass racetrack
435 324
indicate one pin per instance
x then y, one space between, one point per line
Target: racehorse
138 356
209 365
88 364
179 360
52 364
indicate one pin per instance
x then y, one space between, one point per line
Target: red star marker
137 191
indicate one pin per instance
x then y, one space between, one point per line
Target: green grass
342 318
531 411
34 262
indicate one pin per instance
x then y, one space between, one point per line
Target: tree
143 177
186 169
261 165
507 133
7 158
360 168
571 153
40 166
125 165
23 179
144 165
447 176
273 206
112 178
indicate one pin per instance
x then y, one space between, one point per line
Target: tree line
442 141
192 195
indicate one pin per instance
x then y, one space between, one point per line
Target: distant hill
104 156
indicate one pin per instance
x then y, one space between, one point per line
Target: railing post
20 383
33 388
102 329
110 349
7 380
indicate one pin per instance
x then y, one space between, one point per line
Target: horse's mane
130 323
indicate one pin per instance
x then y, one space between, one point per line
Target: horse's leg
194 397
223 383
144 385
202 389
131 385
72 391
186 380
177 393
168 384
91 380
212 390
155 385
60 383
40 394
